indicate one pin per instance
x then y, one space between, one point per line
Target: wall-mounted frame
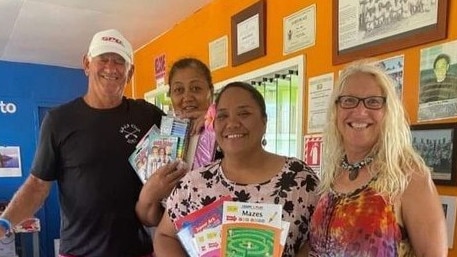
359 33
248 33
449 207
437 144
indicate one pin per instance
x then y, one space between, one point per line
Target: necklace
354 168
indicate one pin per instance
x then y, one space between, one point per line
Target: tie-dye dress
360 223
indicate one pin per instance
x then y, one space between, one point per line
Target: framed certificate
248 34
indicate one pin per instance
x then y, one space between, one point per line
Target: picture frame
360 34
10 161
248 33
437 145
449 207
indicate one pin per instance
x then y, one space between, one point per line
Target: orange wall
191 38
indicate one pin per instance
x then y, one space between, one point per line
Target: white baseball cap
111 41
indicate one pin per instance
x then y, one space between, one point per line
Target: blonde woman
378 198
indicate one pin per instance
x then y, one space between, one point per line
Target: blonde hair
395 158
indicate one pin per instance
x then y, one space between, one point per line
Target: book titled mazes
258 225
225 228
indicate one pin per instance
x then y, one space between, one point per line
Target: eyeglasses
371 102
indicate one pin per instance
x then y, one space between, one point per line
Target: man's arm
27 200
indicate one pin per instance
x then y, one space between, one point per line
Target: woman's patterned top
293 187
360 223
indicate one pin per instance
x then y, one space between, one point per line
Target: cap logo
112 39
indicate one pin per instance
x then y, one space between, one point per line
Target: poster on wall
312 152
299 30
438 82
10 161
319 90
160 66
394 68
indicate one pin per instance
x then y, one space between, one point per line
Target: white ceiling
58 32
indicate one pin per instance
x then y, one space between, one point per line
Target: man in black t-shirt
84 146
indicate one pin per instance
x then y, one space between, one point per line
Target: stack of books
228 228
172 142
159 147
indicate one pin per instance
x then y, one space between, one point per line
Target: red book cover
206 217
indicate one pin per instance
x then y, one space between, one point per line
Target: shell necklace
354 169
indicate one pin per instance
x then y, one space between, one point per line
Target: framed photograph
248 34
449 208
437 144
438 82
10 161
364 28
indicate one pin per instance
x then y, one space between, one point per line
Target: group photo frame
364 28
437 145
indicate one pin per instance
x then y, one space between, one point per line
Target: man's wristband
6 225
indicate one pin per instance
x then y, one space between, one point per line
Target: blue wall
32 87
